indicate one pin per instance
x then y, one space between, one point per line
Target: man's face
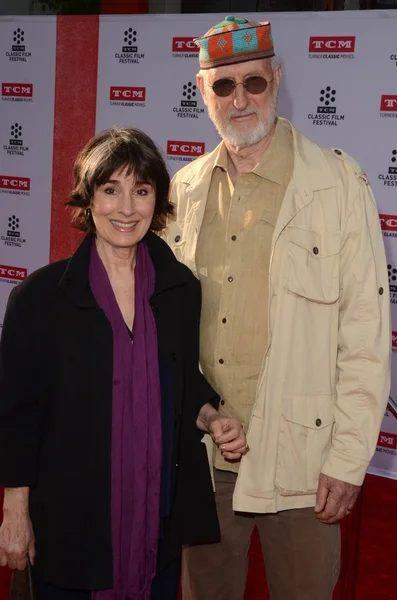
242 119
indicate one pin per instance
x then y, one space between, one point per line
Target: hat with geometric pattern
234 40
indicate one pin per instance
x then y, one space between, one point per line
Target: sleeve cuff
345 467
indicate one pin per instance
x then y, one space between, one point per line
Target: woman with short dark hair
102 404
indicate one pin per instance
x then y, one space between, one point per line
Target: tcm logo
15 273
388 222
388 104
184 44
332 44
394 339
387 440
17 90
15 183
136 94
185 148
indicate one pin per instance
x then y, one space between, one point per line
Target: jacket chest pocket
304 442
313 264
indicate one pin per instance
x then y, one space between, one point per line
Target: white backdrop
339 88
27 77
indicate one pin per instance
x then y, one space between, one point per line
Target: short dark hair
109 151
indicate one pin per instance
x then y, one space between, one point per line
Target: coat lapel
75 279
311 173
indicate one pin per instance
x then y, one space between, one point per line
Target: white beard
243 139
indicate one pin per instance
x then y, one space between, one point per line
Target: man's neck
243 160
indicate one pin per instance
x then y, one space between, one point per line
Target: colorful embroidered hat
234 40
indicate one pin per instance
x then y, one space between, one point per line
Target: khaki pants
301 554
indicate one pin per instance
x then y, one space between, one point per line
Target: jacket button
230 279
315 250
177 238
221 361
224 320
153 307
234 238
223 402
318 422
173 355
381 291
338 152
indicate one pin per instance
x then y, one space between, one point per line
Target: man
295 335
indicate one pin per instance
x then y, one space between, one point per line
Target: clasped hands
226 432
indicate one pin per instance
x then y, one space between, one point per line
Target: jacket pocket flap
320 243
315 412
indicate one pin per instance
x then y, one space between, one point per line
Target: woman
102 404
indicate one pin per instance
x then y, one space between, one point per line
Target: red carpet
377 565
373 569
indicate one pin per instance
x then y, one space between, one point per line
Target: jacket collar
273 163
311 169
75 279
169 272
311 173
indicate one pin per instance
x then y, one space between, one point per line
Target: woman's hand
16 532
226 432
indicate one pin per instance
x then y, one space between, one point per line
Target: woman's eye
109 191
142 192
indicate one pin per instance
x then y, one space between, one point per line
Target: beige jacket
325 377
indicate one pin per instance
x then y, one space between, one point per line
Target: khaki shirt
233 254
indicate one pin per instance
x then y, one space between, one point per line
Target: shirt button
177 238
234 238
381 291
315 250
223 402
230 279
221 361
224 320
338 152
318 422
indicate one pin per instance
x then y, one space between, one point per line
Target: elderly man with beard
295 332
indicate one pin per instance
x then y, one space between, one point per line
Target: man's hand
226 432
229 436
335 499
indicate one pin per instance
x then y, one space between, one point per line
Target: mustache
242 113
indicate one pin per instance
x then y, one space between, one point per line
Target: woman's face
122 209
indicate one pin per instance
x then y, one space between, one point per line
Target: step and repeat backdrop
339 88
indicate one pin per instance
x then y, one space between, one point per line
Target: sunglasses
254 85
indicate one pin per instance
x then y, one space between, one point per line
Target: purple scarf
136 433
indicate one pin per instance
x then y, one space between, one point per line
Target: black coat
56 406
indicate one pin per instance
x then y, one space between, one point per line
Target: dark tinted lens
223 87
255 85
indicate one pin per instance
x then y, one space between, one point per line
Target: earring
87 213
